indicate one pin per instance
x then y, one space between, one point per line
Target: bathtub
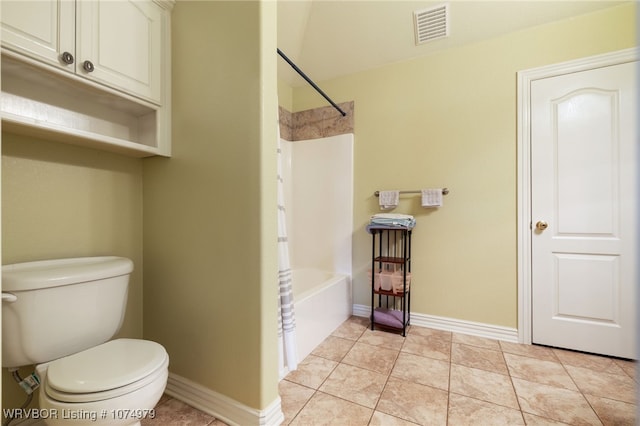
322 301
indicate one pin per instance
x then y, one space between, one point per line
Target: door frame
524 219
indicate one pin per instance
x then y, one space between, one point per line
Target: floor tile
613 412
312 371
426 346
382 339
430 333
481 342
293 398
629 367
539 371
531 420
554 403
485 385
382 419
174 412
355 384
333 348
422 370
414 402
476 357
590 361
532 351
432 377
352 328
468 411
328 410
372 358
599 383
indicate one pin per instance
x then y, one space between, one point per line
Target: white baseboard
490 331
220 406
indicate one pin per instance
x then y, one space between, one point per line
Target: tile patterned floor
431 377
171 412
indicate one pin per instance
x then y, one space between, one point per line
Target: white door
584 155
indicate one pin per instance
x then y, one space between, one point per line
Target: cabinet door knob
88 66
67 58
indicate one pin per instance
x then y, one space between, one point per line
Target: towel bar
445 191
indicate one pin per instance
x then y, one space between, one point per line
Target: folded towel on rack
393 219
388 317
388 199
432 197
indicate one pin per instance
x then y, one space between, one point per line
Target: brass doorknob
541 225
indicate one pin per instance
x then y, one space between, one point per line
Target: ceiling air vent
432 23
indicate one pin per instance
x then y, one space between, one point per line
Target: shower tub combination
318 190
322 301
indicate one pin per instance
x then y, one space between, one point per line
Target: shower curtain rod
315 86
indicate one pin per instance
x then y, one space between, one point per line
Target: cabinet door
41 29
123 42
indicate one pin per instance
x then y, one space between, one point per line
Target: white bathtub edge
335 278
323 310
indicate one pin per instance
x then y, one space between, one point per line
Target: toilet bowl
116 383
60 315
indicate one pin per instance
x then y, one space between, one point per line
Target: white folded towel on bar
432 197
388 199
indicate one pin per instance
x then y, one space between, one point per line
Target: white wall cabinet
95 72
119 44
42 30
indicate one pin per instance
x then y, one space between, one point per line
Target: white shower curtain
286 317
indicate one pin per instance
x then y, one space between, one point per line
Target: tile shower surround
316 123
432 377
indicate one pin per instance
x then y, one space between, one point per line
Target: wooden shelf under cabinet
46 104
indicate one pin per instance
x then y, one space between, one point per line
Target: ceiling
331 38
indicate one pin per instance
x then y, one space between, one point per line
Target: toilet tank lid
58 272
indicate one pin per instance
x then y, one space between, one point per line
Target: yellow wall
66 201
449 119
210 210
285 95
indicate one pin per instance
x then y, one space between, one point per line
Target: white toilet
58 314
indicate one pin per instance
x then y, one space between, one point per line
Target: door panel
587 287
583 185
122 39
585 177
40 29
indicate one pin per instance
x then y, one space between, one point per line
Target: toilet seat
106 371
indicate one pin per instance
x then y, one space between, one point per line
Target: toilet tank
55 308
